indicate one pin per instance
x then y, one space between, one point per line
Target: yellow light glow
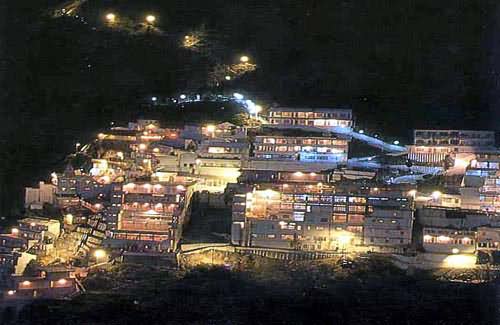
119 154
210 128
26 283
427 237
150 19
244 58
101 136
62 281
100 253
32 224
156 150
142 146
412 193
455 251
344 239
15 231
258 109
269 193
459 261
111 17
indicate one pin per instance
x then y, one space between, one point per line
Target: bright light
244 58
198 161
110 17
459 261
269 193
150 19
180 188
182 96
156 150
298 174
154 98
344 239
361 131
227 78
455 251
412 193
26 283
257 109
427 237
119 154
15 231
211 128
238 96
436 195
396 142
101 136
62 281
142 146
100 253
11 292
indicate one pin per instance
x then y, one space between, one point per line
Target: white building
434 146
45 193
325 118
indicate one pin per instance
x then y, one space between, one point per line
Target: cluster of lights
111 18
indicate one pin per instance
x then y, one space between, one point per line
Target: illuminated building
301 148
325 118
151 216
36 197
50 283
433 146
219 148
448 230
301 215
481 184
388 224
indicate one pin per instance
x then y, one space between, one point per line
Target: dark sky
399 64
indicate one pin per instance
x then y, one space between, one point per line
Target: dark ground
268 292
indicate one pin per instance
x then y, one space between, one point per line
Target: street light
111 17
99 254
150 19
244 59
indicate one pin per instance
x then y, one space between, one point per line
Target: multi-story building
301 148
434 146
303 216
481 184
325 118
452 230
223 149
36 197
388 225
151 216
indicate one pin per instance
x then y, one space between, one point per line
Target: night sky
399 64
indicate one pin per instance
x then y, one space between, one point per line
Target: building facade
325 118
